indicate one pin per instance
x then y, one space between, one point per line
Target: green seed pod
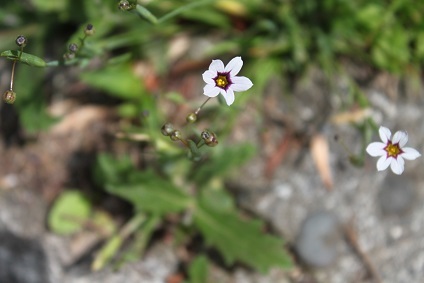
73 48
89 30
191 118
9 96
125 5
209 138
21 41
167 129
176 135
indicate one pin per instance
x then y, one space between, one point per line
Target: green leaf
152 193
220 165
391 51
111 170
117 80
370 16
146 14
420 45
23 57
110 249
241 240
69 212
217 199
194 153
198 270
33 114
141 237
50 6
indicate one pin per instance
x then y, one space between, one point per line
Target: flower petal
383 162
403 140
211 90
217 66
229 96
400 136
397 165
208 77
241 83
376 149
410 153
385 134
234 66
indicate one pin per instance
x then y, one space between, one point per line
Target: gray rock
21 260
316 243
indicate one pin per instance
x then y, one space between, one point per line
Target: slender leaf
23 57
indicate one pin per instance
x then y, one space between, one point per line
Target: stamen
393 150
221 81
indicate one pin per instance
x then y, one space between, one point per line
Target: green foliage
23 57
118 80
213 210
69 212
222 163
198 270
151 193
241 240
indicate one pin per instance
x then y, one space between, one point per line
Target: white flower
220 79
392 151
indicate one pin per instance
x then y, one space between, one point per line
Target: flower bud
167 129
176 135
125 5
191 118
21 41
209 138
89 30
73 48
9 96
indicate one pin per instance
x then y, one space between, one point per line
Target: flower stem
184 142
200 143
12 77
201 106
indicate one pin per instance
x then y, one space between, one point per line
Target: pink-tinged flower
392 151
220 79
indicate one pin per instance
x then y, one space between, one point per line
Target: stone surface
316 243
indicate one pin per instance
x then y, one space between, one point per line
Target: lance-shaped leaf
152 193
241 240
23 57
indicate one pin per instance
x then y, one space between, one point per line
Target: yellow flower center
221 81
392 150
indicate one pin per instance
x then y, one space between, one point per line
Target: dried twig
352 237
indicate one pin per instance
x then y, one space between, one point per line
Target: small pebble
317 241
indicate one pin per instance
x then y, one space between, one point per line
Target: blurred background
92 191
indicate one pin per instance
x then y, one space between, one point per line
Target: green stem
149 16
12 76
201 106
114 243
201 143
183 9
